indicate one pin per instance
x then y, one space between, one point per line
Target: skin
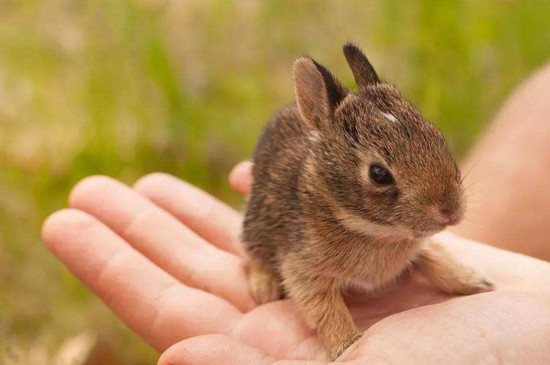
153 254
508 174
164 256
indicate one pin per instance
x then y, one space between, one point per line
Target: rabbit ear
360 66
318 92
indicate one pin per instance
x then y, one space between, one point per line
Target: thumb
240 177
219 349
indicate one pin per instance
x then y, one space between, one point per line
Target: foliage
123 88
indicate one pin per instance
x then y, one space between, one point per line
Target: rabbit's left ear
363 72
318 92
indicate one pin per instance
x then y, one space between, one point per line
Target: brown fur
316 224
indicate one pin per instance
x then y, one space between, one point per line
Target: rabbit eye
380 175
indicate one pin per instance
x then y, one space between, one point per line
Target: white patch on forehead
390 117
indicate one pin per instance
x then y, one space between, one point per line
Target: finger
211 219
151 302
240 177
218 349
163 239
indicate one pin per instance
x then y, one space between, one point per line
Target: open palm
165 257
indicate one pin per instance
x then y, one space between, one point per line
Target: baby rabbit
348 189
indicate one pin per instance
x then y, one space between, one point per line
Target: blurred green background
124 88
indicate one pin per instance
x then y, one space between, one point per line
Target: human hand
165 257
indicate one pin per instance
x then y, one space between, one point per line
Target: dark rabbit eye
380 175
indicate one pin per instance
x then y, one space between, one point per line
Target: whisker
475 164
473 183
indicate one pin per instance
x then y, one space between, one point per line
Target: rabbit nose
449 216
446 215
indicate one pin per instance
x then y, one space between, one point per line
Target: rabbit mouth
431 230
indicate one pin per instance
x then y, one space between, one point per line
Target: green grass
124 88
